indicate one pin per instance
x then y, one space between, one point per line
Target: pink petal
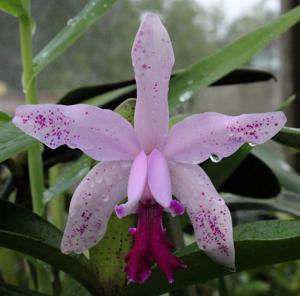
200 136
136 185
101 134
208 212
153 59
159 178
92 205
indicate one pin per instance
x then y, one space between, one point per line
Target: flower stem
57 204
29 86
223 291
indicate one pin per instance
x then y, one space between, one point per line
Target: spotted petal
153 59
101 134
92 204
208 213
198 137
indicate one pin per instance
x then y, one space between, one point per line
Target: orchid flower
148 163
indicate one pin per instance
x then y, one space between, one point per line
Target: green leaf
253 170
13 7
103 95
257 244
287 176
11 290
107 257
286 202
286 103
289 136
126 109
4 116
215 66
13 140
69 177
76 27
220 172
23 231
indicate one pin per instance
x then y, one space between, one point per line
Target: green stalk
7 266
29 85
57 204
36 176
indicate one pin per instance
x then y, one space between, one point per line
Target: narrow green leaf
13 141
257 244
289 136
286 202
11 290
13 7
110 96
286 103
26 232
76 26
213 67
69 177
117 92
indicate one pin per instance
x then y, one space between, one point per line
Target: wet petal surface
200 136
207 210
99 133
153 59
92 204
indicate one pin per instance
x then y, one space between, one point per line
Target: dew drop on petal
252 144
215 158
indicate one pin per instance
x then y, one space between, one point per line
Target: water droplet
72 21
252 144
185 96
106 198
215 158
104 5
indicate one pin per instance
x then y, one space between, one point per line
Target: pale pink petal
153 59
101 134
200 136
208 213
136 185
92 204
159 178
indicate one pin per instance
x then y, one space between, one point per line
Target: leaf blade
213 67
257 244
74 29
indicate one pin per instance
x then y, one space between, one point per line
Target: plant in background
147 163
154 163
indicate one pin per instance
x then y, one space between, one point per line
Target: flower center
150 245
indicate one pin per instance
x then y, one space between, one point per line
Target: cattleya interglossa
148 163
